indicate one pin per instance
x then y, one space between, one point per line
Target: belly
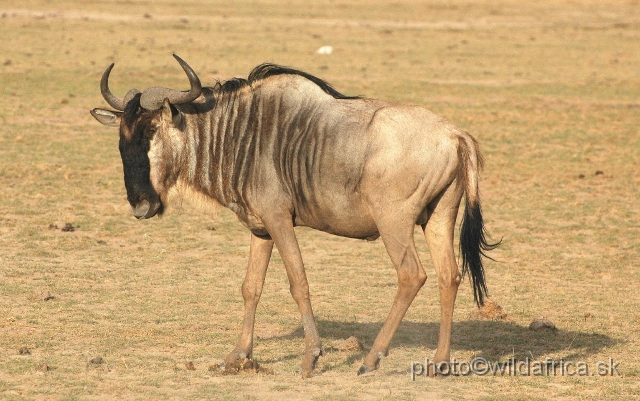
345 219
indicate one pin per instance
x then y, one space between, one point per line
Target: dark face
136 132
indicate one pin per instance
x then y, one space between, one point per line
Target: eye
151 130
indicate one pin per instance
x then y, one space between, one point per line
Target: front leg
282 232
259 255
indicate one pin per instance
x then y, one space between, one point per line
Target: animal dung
189 366
489 311
350 344
67 228
24 351
325 50
541 323
245 365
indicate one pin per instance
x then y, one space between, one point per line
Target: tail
473 235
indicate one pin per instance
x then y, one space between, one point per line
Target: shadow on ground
493 340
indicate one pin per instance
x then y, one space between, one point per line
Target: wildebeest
284 149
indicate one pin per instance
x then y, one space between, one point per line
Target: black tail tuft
473 246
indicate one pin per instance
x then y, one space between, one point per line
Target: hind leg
398 240
438 232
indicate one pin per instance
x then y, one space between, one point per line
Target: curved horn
112 99
130 95
153 98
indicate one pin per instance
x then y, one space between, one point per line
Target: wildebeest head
150 125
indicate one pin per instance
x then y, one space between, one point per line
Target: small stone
599 172
325 50
189 366
24 351
541 323
68 227
43 367
96 361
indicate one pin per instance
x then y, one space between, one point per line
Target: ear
171 113
107 117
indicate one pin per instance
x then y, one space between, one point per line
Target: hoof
309 362
439 370
241 365
306 374
365 369
235 358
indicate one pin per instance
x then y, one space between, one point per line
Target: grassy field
551 89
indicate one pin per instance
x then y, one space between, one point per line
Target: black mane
132 110
267 70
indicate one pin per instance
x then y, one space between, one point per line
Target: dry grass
550 89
